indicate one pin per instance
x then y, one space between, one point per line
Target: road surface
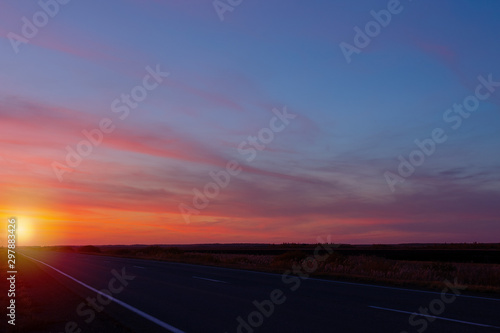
154 296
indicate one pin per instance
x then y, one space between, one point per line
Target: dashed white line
337 282
442 318
403 289
125 305
202 278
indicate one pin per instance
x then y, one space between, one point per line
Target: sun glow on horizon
24 230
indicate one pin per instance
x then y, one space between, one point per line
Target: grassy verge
480 277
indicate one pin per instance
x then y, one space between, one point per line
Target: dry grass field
365 267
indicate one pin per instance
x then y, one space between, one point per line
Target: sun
24 230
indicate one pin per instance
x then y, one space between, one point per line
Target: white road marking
202 278
323 280
139 267
125 305
442 318
333 281
404 289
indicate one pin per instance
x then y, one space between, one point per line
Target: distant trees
89 249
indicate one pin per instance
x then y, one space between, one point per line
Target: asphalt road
154 296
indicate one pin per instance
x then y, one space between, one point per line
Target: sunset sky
322 170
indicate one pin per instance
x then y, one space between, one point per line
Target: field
476 266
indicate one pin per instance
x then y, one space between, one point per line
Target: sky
177 122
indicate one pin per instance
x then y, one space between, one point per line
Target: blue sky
323 174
